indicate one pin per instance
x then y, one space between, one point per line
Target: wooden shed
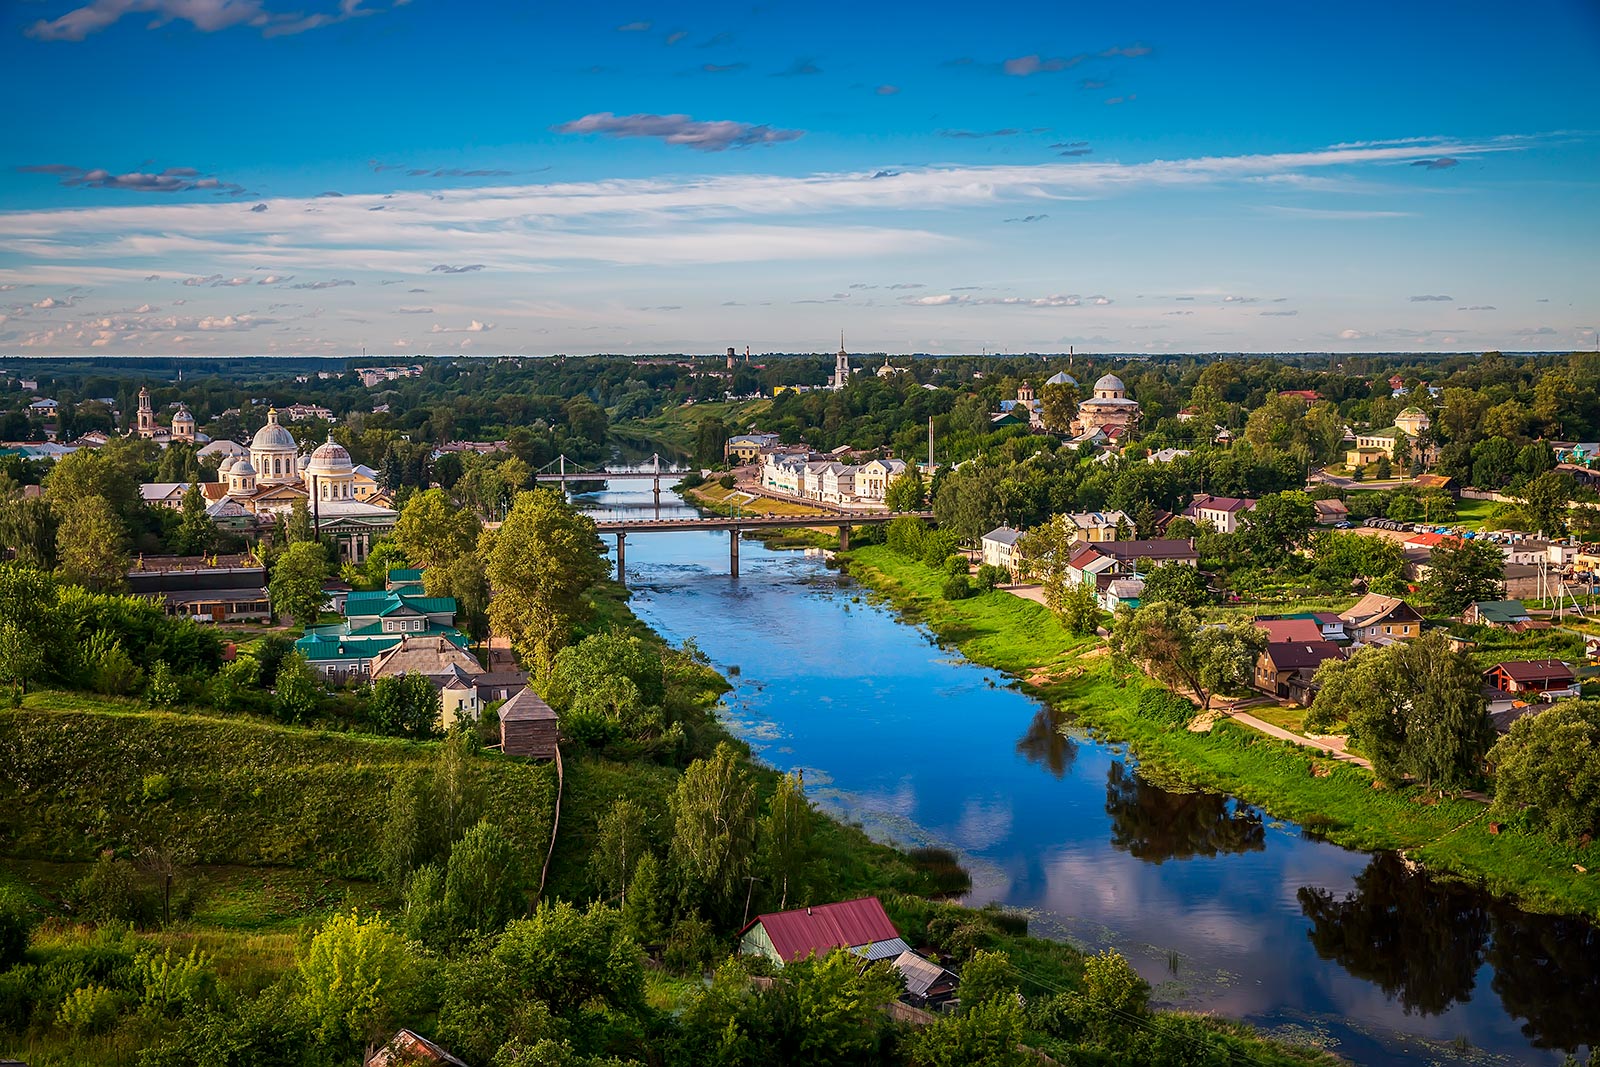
528 726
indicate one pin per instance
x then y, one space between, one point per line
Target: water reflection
1425 942
1046 745
1421 943
1153 824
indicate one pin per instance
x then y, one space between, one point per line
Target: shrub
110 893
989 576
726 481
172 986
358 975
1163 705
692 480
937 546
107 666
90 1010
16 925
163 689
956 587
904 536
691 946
155 788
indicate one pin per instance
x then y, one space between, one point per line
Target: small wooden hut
528 726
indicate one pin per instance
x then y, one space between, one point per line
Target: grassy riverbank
1335 799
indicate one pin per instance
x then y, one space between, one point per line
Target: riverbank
1325 796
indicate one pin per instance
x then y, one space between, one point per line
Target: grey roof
877 950
526 706
921 975
1004 535
1109 381
1061 377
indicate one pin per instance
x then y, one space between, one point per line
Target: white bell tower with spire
841 365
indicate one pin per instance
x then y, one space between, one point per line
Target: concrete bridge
735 524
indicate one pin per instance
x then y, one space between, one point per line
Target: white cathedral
342 496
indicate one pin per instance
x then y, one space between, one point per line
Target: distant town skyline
224 177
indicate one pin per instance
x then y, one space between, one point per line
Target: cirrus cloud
704 136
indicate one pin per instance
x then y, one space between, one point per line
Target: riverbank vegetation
1332 798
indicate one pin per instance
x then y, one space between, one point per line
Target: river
1222 908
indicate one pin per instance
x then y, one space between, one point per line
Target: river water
1220 907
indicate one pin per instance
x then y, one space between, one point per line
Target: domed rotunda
272 452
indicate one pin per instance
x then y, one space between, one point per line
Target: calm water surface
1220 907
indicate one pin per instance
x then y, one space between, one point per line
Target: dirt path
1333 746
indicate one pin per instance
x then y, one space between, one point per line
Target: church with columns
342 496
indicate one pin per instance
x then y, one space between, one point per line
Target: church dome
242 469
1061 378
302 461
226 465
272 437
1110 382
330 457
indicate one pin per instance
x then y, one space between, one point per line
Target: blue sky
655 178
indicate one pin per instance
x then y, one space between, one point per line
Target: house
1331 512
999 548
452 670
928 985
1152 551
859 926
1436 483
212 588
1412 421
1310 396
784 473
1087 565
496 686
1381 620
399 613
1167 455
1521 581
874 476
1331 627
838 484
1550 678
1373 445
1098 526
1295 629
164 494
1501 614
528 726
407 1048
1222 512
747 447
1287 669
1121 592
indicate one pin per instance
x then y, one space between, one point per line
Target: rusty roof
817 930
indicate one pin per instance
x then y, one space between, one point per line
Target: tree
906 493
785 836
570 959
298 528
296 585
1463 572
987 1035
483 887
1547 771
1044 553
987 975
298 694
540 563
1079 610
621 842
1277 525
713 817
1176 583
1058 406
432 532
1415 707
28 528
404 706
1169 640
1546 499
196 532
358 979
89 543
21 658
464 580
711 435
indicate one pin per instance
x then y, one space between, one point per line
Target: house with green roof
1501 614
374 622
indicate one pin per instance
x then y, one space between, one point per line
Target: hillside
80 774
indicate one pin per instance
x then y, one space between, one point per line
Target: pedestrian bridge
736 524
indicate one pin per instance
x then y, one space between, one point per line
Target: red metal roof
1533 670
847 924
1290 629
1085 557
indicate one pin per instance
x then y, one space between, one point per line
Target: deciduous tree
714 817
432 532
296 584
1462 572
1547 771
540 563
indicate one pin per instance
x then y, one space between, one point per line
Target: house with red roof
1222 512
1290 629
1549 677
1287 669
858 926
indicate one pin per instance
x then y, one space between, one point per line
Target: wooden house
528 726
1549 677
1381 620
859 926
928 985
1286 669
1501 614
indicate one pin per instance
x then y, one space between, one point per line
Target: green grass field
1334 798
677 426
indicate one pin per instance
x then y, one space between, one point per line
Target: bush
726 481
108 668
163 689
155 788
90 1010
904 536
16 926
691 946
110 893
937 546
692 480
1163 705
989 576
956 587
173 986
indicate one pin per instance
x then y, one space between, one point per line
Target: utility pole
930 445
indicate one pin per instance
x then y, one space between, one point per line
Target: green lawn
1291 782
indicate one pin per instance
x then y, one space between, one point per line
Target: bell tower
147 415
